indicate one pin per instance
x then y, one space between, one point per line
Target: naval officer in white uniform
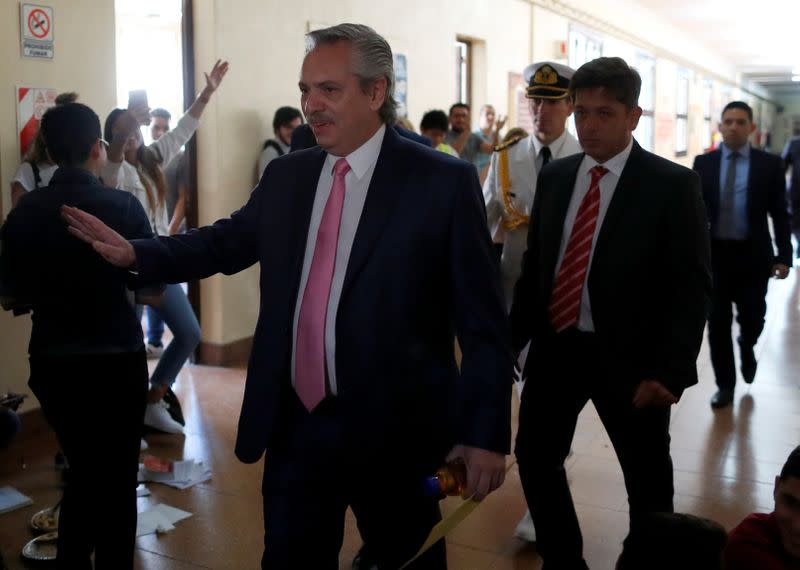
511 181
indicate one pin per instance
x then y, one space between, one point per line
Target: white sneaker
525 529
154 351
157 417
143 445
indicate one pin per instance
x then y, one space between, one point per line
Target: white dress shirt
362 163
608 184
556 149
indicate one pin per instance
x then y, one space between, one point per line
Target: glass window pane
644 132
681 135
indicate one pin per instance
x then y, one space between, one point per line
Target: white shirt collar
615 164
555 145
364 157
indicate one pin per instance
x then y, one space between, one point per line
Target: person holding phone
138 169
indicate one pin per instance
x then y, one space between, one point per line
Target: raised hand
214 78
113 247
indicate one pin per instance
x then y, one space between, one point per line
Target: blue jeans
178 315
155 326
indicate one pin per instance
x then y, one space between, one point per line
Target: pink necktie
309 381
565 302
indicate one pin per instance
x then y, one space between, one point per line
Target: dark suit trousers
84 399
311 477
742 278
572 372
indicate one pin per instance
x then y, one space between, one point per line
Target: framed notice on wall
36 31
32 102
401 84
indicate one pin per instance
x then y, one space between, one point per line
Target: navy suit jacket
421 269
766 195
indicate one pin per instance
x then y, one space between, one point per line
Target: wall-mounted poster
401 84
32 102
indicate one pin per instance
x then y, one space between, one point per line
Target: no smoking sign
36 26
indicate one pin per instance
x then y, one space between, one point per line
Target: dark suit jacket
650 277
80 303
422 268
766 194
791 158
303 137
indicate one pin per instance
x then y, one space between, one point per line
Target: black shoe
363 560
174 407
749 363
722 399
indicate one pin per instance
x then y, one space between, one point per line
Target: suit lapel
629 183
712 195
384 189
752 178
302 202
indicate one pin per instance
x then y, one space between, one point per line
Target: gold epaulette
509 143
512 218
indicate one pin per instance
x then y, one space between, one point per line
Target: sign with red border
32 102
36 27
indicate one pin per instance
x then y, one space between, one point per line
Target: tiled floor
725 463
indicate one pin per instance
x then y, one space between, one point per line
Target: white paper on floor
159 518
184 474
142 491
11 499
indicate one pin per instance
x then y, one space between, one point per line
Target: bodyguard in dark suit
613 298
741 187
374 254
791 159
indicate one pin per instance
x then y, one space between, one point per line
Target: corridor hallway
725 464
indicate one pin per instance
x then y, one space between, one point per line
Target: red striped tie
565 302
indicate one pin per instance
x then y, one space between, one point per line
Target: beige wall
83 62
266 50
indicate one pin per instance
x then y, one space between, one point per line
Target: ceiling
759 35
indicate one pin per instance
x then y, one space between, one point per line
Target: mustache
319 118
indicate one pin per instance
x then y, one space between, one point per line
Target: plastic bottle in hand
450 479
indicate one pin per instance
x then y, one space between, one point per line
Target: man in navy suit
374 255
741 187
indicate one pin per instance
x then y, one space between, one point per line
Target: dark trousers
311 477
84 399
794 206
573 372
739 279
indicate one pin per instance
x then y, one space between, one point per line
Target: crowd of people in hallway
378 248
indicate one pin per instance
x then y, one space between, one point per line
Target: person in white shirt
36 169
138 169
511 182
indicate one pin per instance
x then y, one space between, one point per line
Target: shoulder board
509 143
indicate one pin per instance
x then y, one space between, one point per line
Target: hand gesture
486 470
128 122
780 271
214 78
500 122
113 247
653 393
